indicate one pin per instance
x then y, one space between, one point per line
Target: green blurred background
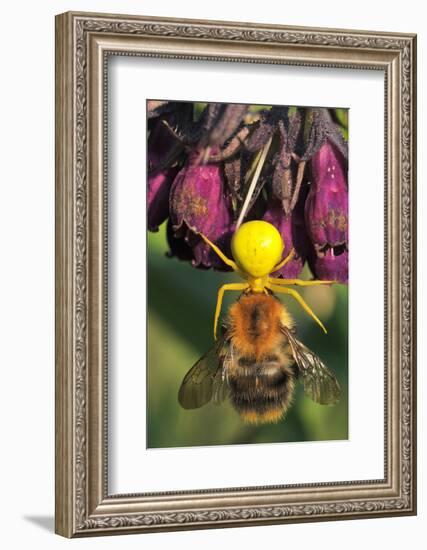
181 305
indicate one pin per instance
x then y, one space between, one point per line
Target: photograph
247 273
235 273
213 235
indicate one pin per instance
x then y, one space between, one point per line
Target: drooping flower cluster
285 165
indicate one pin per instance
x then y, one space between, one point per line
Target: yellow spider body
257 248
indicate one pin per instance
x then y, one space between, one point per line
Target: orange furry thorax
254 322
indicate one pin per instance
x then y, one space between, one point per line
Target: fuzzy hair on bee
256 363
261 378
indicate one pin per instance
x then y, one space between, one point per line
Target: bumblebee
257 359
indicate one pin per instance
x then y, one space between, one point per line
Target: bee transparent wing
221 388
320 383
205 380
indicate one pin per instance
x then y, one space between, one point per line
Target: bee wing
205 379
320 383
220 388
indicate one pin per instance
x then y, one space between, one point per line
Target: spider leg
285 261
230 286
300 300
223 257
298 282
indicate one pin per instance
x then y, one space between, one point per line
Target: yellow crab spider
257 249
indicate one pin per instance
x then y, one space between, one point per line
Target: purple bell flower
291 227
160 175
333 266
198 204
326 215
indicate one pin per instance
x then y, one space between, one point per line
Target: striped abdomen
261 390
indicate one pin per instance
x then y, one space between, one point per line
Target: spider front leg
223 257
299 299
285 261
230 286
298 282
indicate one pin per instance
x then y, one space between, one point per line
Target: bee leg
230 286
223 257
285 261
300 300
299 282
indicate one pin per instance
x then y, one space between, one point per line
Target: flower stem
300 174
252 186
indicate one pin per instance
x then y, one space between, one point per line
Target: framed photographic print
235 274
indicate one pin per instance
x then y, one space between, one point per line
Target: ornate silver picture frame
84 42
